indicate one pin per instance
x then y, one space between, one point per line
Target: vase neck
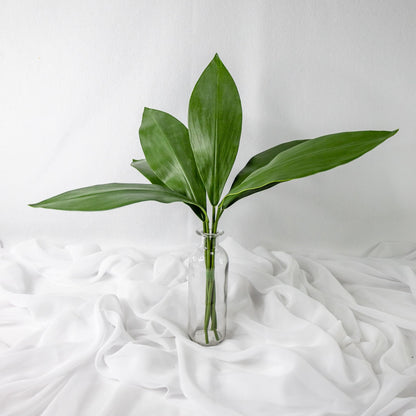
209 240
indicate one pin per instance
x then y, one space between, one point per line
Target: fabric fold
84 330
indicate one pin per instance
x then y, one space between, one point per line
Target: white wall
75 76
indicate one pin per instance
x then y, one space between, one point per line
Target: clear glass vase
207 291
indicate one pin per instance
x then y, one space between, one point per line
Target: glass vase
207 291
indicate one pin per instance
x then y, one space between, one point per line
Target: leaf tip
147 110
391 133
217 59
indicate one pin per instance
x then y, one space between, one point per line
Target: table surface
88 331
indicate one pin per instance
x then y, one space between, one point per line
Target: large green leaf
109 196
262 159
255 163
304 159
215 118
143 167
165 143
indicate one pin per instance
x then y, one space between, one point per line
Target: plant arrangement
191 165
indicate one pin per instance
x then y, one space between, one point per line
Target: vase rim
204 234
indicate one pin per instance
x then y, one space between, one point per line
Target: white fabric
86 331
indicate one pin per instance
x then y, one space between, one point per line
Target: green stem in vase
214 313
208 274
209 306
210 296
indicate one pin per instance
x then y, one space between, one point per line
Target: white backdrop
75 76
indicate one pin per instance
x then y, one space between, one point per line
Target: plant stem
210 296
208 302
216 220
207 283
214 312
213 219
205 226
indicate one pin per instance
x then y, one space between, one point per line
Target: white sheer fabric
86 331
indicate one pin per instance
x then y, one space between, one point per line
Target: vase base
199 337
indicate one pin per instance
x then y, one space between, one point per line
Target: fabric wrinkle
307 334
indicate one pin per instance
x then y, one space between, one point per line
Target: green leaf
305 159
255 163
215 119
109 196
143 167
165 143
262 159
